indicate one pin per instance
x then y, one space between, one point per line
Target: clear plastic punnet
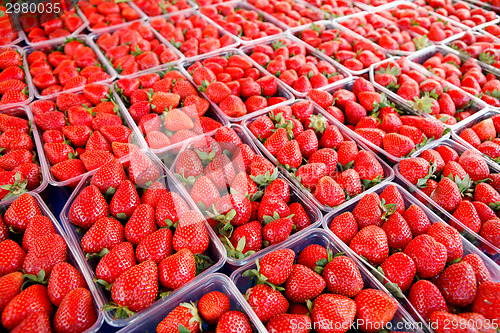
22 111
215 251
484 246
310 52
27 76
408 200
388 172
402 320
136 138
54 45
73 257
282 91
296 195
212 282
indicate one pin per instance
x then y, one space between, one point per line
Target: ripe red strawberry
374 306
328 192
184 317
234 208
204 192
458 284
426 298
142 170
474 164
481 271
114 263
332 308
20 212
169 206
124 201
342 277
31 300
68 169
106 233
11 285
371 243
367 166
449 237
266 302
234 322
40 256
440 318
399 269
11 257
447 195
391 195
368 212
398 231
417 220
429 256
276 141
38 226
487 300
34 322
303 284
212 306
277 231
300 218
414 169
191 233
467 214
156 246
109 177
290 155
88 207
344 227
276 266
141 224
76 311
136 289
177 270
63 279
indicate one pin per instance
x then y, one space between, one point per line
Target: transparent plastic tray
265 17
388 172
295 196
54 44
484 5
137 139
477 105
15 27
310 51
408 200
479 26
22 111
93 38
73 258
402 320
329 25
282 90
60 39
215 250
192 12
172 148
213 282
142 18
27 76
193 5
494 254
370 8
469 122
420 57
399 104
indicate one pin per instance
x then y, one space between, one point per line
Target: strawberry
142 170
449 237
124 201
204 192
34 322
184 317
212 306
68 169
440 318
375 308
234 322
114 263
31 300
276 141
155 247
303 284
191 233
447 195
367 166
398 231
310 256
109 177
391 195
234 208
63 279
177 270
344 227
338 272
105 233
429 256
489 231
135 290
169 206
332 308
275 267
76 311
328 192
467 214
290 155
141 224
481 271
266 302
368 212
474 164
42 257
37 226
457 283
12 257
11 285
371 243
277 231
487 300
300 218
88 208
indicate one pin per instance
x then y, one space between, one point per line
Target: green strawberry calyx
261 279
237 252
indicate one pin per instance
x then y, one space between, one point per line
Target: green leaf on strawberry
487 58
